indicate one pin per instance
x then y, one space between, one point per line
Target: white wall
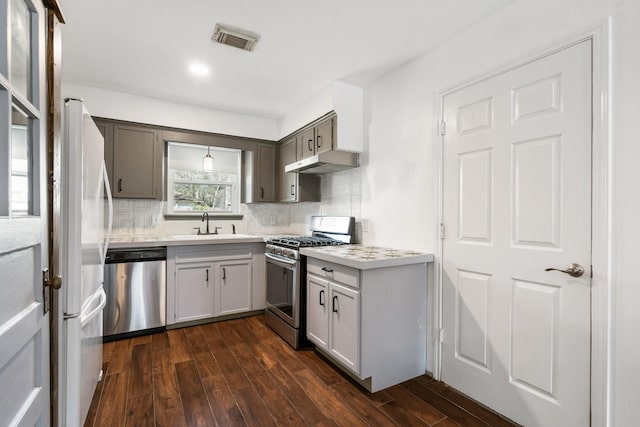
399 175
400 198
315 107
343 98
626 214
141 109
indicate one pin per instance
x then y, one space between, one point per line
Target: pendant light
207 162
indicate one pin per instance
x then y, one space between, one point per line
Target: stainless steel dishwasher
135 284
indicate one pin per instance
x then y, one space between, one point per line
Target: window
192 190
20 115
21 200
21 46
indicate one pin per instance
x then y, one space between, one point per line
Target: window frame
30 105
170 181
245 144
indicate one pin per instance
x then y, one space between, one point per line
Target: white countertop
182 240
366 257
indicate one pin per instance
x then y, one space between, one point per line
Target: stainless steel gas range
286 274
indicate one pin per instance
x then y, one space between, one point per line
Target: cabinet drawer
211 253
336 272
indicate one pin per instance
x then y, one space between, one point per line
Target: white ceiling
144 47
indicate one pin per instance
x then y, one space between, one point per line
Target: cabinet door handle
319 141
327 270
262 192
334 307
224 273
321 297
119 185
207 278
309 142
292 192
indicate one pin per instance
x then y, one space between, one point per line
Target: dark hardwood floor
239 373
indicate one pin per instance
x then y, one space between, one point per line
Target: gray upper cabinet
317 139
106 129
295 187
287 181
266 173
306 146
133 157
325 134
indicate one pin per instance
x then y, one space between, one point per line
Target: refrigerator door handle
107 187
86 318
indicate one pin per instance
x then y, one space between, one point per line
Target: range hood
325 162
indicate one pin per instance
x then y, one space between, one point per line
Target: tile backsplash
341 195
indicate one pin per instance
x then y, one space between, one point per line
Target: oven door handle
281 260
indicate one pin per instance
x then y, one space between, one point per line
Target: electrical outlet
155 219
273 220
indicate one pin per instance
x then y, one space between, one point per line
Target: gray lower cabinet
209 281
133 157
371 322
194 291
295 187
233 287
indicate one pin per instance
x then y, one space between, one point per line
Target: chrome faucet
206 215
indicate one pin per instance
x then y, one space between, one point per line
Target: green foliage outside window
201 197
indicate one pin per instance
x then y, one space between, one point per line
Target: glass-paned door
24 325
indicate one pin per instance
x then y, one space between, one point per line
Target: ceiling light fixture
207 162
199 70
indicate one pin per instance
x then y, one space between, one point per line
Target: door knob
573 270
55 282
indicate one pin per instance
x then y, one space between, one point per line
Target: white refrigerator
83 243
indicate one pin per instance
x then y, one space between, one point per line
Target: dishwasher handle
136 255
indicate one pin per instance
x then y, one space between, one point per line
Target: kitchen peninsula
367 306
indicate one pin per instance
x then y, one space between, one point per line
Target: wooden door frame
53 68
601 253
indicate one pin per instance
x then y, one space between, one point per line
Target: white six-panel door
516 201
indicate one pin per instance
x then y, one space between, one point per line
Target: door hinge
442 231
442 127
441 335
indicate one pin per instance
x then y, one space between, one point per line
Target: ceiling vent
236 37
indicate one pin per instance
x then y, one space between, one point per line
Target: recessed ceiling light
199 70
